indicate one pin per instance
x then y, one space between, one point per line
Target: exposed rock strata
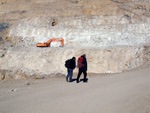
50 61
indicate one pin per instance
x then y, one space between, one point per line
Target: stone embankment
19 63
113 33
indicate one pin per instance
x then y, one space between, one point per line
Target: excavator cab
47 44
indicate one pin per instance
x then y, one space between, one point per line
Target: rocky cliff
113 33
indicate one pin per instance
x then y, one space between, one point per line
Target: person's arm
74 64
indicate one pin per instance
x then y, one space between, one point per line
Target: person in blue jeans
70 68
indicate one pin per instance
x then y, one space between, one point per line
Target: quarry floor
118 93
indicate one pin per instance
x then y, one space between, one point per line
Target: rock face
113 34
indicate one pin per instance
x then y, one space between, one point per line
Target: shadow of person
73 80
81 80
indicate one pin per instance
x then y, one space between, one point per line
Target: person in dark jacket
82 65
72 65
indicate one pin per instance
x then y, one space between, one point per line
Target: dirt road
119 93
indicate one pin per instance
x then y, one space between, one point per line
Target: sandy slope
120 93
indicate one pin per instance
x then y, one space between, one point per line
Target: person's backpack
80 62
67 63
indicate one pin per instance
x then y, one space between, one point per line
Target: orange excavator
47 44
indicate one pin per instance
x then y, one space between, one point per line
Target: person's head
84 55
74 58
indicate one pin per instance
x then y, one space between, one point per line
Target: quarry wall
113 34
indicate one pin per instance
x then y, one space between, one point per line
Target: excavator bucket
47 44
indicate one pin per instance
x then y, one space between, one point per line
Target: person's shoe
77 81
66 79
70 80
85 80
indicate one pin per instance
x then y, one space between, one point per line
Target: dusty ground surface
118 93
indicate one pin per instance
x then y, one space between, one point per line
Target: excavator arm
47 44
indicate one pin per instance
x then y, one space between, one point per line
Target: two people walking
81 64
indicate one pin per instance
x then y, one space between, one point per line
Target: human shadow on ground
81 80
